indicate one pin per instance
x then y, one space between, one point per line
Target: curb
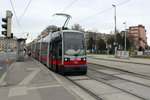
120 69
120 61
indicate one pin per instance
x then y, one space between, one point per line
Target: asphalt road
12 58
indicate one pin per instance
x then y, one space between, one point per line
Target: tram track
86 90
101 79
92 93
131 74
128 71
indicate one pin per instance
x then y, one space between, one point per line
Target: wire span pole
115 30
115 24
125 43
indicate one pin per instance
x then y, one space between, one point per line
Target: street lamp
115 30
115 23
125 43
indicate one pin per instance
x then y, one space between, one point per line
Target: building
2 43
138 34
12 43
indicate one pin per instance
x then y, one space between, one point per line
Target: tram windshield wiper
77 54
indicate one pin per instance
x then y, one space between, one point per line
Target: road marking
17 91
1 67
4 75
30 76
41 87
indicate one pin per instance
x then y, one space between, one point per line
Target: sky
95 15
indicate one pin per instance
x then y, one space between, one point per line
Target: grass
144 57
99 54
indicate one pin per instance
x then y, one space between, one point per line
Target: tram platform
133 65
129 60
30 80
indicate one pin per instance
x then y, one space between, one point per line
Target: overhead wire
65 9
25 10
122 2
101 12
69 5
15 15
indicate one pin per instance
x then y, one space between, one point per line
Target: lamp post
115 30
125 43
148 50
115 23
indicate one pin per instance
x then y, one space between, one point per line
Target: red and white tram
62 51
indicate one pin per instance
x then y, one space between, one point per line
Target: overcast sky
40 14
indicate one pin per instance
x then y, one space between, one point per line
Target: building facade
12 43
2 43
138 34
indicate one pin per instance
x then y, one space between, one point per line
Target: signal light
83 59
7 25
4 32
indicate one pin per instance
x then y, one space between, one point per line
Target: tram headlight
67 59
83 59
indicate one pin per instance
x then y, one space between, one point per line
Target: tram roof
71 31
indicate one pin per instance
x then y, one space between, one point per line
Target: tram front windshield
74 44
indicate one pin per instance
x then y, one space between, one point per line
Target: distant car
9 50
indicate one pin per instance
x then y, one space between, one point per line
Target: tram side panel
55 55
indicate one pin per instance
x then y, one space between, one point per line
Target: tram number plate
75 60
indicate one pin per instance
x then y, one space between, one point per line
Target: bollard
6 61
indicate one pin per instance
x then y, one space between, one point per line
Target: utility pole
115 30
115 24
148 50
125 43
8 35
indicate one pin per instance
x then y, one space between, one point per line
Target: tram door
54 56
59 54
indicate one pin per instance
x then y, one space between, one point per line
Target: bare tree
48 29
77 27
51 28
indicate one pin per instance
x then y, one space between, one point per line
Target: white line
42 67
1 67
29 77
17 91
2 78
4 75
41 87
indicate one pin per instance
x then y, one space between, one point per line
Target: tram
62 51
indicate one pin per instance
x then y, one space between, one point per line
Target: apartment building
138 34
2 43
12 43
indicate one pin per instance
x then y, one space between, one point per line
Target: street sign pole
7 63
8 35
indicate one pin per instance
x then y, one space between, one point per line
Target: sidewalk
30 80
133 65
113 58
